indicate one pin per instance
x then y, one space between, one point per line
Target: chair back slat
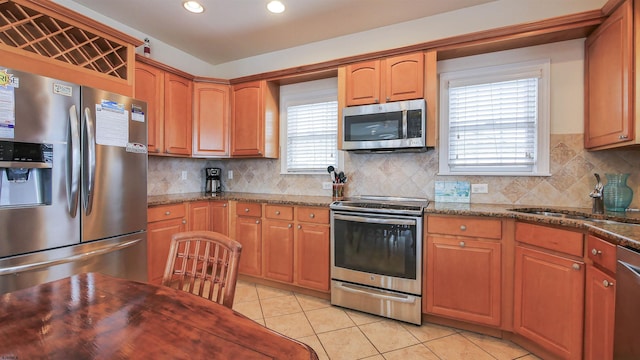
204 263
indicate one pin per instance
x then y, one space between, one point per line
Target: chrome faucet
598 197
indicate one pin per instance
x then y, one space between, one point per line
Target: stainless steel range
376 255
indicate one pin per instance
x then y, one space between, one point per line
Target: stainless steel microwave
394 126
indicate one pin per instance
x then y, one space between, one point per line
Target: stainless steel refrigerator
73 189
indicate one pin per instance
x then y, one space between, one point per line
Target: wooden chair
204 263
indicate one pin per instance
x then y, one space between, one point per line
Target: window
309 127
495 120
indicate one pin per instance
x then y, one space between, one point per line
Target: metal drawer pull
576 266
246 209
596 252
224 205
462 244
277 212
607 283
312 215
463 227
167 212
257 221
623 137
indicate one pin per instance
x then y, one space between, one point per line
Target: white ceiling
229 30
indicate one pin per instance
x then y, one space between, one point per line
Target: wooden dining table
94 316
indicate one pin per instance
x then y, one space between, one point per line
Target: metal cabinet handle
312 215
576 266
299 226
289 226
277 212
246 210
167 213
607 283
462 244
463 227
257 221
623 137
184 221
596 252
224 205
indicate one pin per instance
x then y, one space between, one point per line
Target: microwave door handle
91 163
374 220
73 162
404 123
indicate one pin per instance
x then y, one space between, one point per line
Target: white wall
494 14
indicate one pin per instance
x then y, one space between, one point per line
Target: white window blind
312 136
493 124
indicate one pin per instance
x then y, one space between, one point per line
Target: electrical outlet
479 188
184 175
327 185
230 174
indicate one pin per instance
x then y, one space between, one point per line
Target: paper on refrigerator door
112 124
7 104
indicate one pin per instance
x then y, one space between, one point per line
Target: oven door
377 250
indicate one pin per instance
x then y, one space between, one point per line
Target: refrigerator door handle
71 259
90 148
73 162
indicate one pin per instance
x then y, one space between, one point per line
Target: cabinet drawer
602 252
465 226
249 209
278 212
164 212
564 241
313 214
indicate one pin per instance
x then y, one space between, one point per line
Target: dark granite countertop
303 200
625 232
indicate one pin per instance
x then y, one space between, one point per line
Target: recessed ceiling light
193 6
275 6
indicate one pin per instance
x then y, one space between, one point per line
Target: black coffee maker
213 184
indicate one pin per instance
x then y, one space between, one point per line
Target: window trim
495 74
299 94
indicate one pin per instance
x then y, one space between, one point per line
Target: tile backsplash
414 175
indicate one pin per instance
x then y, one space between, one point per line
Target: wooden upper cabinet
149 87
255 119
177 113
609 82
391 79
211 119
363 83
404 77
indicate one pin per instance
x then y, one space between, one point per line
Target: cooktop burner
381 204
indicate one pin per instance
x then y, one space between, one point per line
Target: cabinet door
312 256
177 114
220 217
210 119
199 216
247 124
363 83
158 242
277 250
404 77
249 234
149 87
463 279
599 315
609 79
549 301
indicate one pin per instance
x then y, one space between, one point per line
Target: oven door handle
376 293
375 220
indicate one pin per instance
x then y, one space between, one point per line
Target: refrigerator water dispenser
25 174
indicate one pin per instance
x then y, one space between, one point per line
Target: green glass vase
617 194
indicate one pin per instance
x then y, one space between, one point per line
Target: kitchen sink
572 216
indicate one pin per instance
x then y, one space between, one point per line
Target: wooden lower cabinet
278 246
312 256
600 301
209 216
219 216
164 221
464 279
549 301
249 234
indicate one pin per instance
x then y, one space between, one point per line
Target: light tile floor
340 334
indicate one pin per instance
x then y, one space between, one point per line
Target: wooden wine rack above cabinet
37 32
